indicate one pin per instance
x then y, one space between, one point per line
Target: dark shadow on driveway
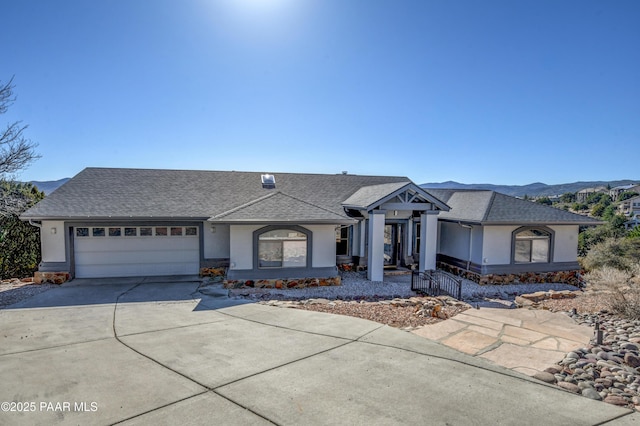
82 292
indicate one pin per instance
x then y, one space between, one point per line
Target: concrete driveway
143 352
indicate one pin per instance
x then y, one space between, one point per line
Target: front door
392 244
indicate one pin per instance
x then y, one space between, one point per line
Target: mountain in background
532 190
50 185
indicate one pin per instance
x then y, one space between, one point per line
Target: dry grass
618 289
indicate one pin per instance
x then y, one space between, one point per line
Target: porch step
392 272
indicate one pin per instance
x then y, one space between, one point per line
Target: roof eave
552 223
115 218
344 221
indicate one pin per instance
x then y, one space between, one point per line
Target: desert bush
618 253
624 301
606 277
634 233
619 290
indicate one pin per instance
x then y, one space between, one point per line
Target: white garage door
130 251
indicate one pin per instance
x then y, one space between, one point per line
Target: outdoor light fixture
395 212
53 231
213 229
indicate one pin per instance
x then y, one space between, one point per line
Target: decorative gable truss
402 196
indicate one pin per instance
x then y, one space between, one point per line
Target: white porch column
428 240
375 254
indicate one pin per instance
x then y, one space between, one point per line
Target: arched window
532 245
282 248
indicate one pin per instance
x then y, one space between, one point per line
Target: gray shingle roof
368 195
100 193
279 207
490 207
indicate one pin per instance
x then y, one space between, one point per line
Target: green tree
598 210
609 212
590 236
568 197
599 198
544 200
634 233
626 195
19 241
576 207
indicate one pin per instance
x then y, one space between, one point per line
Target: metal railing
436 283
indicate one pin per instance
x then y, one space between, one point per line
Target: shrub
19 241
624 300
579 207
598 210
618 290
634 233
618 253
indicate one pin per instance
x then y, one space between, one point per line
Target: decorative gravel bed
373 300
355 286
401 313
14 291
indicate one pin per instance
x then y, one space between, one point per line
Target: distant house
633 223
582 195
292 229
630 207
491 237
614 193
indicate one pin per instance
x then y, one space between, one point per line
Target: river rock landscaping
607 370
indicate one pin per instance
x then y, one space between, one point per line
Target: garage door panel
135 243
136 256
134 270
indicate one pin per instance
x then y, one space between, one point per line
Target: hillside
50 185
532 190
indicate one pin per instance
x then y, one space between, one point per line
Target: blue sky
503 92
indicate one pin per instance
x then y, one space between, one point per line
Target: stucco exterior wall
566 243
454 240
496 245
216 239
323 251
52 245
241 246
477 243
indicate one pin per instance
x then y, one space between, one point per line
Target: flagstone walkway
523 340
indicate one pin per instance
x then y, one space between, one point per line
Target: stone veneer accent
565 277
213 272
51 277
283 283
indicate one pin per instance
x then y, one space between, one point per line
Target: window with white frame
282 248
532 246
